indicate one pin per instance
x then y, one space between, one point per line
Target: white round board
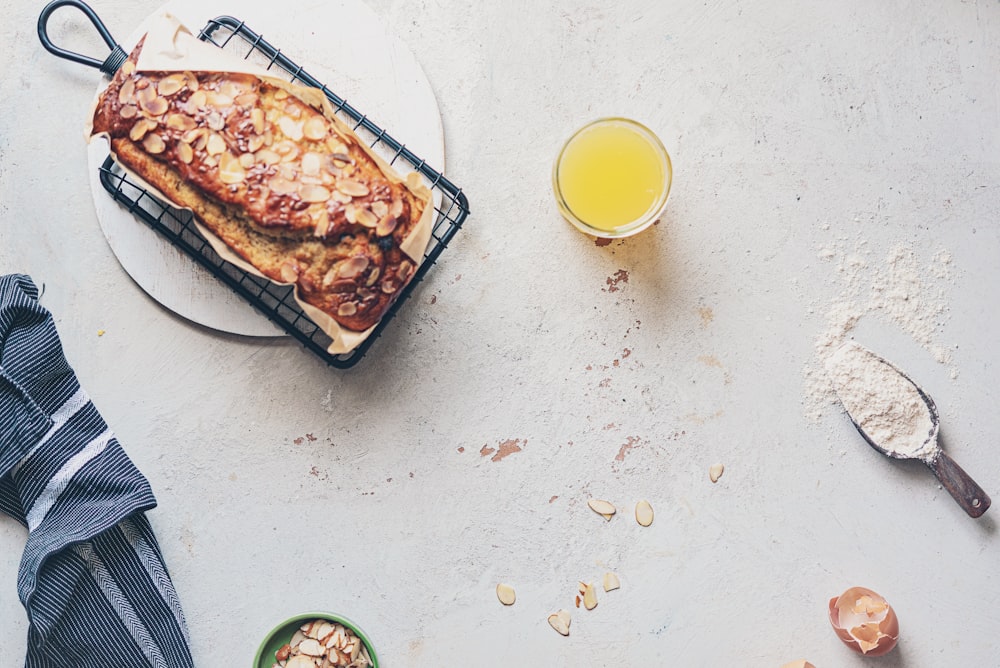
342 43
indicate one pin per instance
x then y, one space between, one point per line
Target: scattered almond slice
601 507
801 663
611 581
590 597
506 594
560 621
644 513
715 472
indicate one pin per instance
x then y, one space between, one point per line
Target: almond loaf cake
292 192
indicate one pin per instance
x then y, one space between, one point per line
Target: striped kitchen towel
92 578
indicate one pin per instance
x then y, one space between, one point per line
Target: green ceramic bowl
284 631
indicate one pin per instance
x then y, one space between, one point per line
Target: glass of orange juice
612 178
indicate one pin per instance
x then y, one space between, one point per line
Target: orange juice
612 178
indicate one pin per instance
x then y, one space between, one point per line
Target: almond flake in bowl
316 639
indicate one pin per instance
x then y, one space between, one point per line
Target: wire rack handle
110 64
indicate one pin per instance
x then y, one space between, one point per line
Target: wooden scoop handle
958 483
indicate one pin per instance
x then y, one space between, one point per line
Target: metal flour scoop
898 418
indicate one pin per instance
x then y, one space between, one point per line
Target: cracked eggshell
864 621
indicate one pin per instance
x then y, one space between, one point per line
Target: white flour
897 290
882 402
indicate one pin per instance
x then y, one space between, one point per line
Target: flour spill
897 288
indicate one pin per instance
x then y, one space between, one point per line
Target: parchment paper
169 46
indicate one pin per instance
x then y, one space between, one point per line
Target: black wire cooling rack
275 301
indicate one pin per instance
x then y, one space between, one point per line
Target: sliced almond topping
220 100
366 217
311 163
352 188
282 186
290 127
197 100
389 286
280 94
128 67
287 150
347 309
157 106
193 136
126 92
230 89
216 144
644 513
341 197
386 226
396 209
560 621
404 270
297 638
247 160
715 472
601 507
181 122
289 272
506 594
139 130
351 212
380 208
312 193
611 582
337 146
144 92
314 128
191 81
590 597
322 223
300 661
230 169
330 277
153 143
257 118
267 156
232 177
245 100
128 111
352 267
171 84
372 277
355 649
255 143
184 152
215 121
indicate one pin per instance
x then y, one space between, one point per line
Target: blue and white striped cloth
92 578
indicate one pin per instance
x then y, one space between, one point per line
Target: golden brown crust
281 185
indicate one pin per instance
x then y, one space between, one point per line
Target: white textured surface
284 485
